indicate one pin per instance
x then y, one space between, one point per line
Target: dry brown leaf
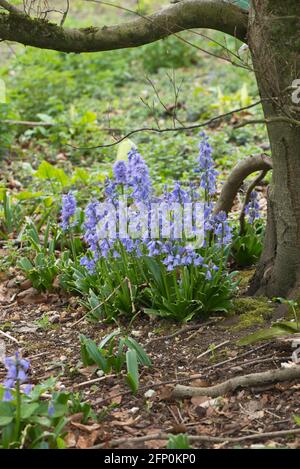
113 394
70 440
86 428
165 393
77 417
198 400
31 296
131 421
178 428
84 442
88 371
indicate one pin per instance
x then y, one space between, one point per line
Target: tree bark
274 42
188 14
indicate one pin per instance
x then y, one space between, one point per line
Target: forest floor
94 99
200 354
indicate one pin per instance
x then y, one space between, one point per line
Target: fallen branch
235 180
199 438
246 381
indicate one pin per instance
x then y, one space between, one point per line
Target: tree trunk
274 41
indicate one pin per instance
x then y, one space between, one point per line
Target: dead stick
8 336
181 331
245 381
212 349
92 381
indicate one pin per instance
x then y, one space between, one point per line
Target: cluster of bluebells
206 167
131 178
221 229
133 175
17 369
68 210
252 209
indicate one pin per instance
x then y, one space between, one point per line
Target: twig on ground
181 331
8 336
232 384
260 360
212 349
93 381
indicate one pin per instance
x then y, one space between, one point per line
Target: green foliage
186 294
11 217
180 441
49 172
113 352
44 267
247 248
171 53
34 422
252 311
279 329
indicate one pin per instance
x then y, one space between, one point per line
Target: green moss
244 277
252 311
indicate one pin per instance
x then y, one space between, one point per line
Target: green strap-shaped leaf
132 370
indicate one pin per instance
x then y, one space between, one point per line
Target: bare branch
188 14
170 129
11 8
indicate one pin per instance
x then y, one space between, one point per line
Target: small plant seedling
113 352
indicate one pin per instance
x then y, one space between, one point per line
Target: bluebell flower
89 264
178 194
221 229
17 369
51 409
138 176
68 210
207 173
110 190
252 209
120 172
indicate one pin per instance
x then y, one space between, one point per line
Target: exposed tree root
246 381
236 178
199 438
